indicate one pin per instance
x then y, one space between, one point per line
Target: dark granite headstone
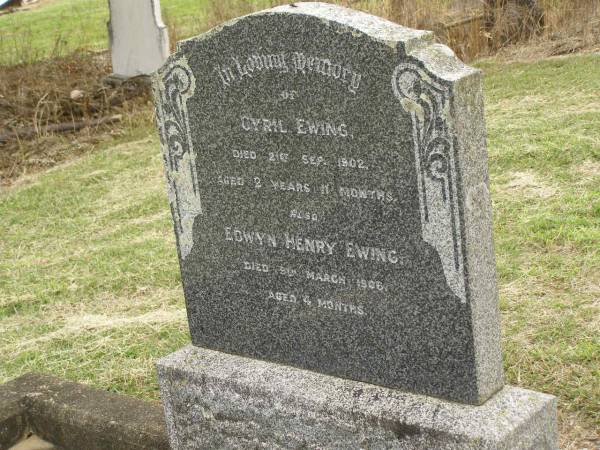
327 175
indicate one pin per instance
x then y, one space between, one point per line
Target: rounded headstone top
375 27
436 58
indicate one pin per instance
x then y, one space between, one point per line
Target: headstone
331 202
327 174
139 41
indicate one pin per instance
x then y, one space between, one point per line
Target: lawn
28 36
89 281
91 290
59 27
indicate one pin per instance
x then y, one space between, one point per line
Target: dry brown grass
470 28
568 25
37 95
557 27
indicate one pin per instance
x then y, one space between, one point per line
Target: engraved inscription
314 127
307 168
236 69
314 245
325 277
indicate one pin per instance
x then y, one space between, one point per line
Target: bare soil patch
40 102
528 184
24 5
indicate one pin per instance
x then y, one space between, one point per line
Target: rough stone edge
468 124
13 420
237 390
71 415
346 19
467 105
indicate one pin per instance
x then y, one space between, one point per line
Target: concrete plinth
217 400
41 411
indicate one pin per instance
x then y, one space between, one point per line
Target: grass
28 36
54 28
59 27
545 172
34 34
89 281
90 285
93 289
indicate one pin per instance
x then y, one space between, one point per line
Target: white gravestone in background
139 40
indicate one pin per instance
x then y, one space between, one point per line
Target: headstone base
217 400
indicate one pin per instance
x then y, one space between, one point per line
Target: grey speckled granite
218 401
327 174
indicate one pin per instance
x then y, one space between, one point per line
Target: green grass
544 146
90 286
60 27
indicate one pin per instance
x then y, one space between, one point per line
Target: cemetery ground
93 292
93 288
35 35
